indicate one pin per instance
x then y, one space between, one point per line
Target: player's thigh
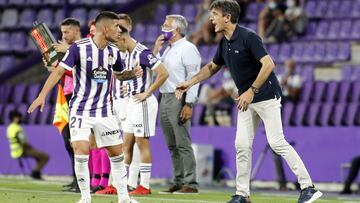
80 130
107 132
247 123
145 122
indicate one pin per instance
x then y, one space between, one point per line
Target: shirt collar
178 42
236 34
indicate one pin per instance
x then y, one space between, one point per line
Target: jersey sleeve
71 58
118 65
256 46
218 58
148 59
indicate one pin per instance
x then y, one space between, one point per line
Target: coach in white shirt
182 60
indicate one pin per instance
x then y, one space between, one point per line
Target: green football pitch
28 191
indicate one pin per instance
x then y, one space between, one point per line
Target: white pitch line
143 198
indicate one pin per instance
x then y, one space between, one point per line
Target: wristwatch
189 104
254 89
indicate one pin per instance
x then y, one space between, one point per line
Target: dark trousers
353 172
41 158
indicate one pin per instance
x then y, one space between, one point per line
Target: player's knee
279 146
242 145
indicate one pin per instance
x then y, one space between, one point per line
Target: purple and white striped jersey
146 59
92 69
118 92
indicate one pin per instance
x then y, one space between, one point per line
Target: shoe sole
316 196
185 193
165 193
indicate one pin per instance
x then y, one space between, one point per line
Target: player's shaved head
105 17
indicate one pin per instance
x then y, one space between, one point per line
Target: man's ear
227 18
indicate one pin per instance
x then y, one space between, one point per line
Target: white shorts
141 117
120 108
106 130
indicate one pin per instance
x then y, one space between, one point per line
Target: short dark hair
70 21
126 17
228 7
123 30
106 15
14 114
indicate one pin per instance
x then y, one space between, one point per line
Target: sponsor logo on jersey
110 133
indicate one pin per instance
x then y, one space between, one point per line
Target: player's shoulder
82 42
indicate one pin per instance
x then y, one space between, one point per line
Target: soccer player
252 70
92 61
142 105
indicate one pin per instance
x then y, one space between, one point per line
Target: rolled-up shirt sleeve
192 61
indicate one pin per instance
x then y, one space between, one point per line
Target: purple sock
96 164
105 168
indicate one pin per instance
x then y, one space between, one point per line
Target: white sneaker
84 200
131 201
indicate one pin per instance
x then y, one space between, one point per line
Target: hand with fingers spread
61 46
39 101
141 97
182 88
245 99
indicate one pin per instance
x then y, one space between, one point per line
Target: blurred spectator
353 172
290 82
296 17
204 31
20 147
221 96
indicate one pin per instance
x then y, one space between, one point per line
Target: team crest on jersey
152 59
99 74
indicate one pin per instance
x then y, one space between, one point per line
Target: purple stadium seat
45 115
333 9
321 8
51 2
152 33
34 2
18 41
273 50
345 30
344 51
310 8
298 50
252 12
355 32
161 12
3 2
30 45
338 114
27 17
32 118
176 8
300 114
355 91
197 113
9 18
312 114
331 52
81 15
287 111
4 92
325 113
1 116
306 91
285 52
189 12
345 7
344 90
7 61
22 108
319 52
356 9
351 112
139 32
32 92
334 30
88 2
252 26
331 90
309 52
7 109
211 53
103 2
59 16
311 30
46 15
18 92
318 92
322 30
346 72
204 52
356 73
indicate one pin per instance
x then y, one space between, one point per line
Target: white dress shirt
182 60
